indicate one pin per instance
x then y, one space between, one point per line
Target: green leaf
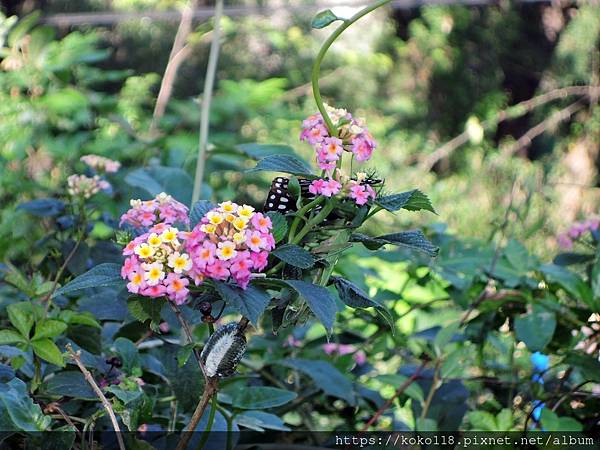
445 335
156 179
199 209
144 308
414 240
294 255
11 337
22 28
260 421
355 297
282 163
504 420
76 318
482 421
70 384
129 355
48 351
326 377
324 19
586 364
280 226
413 200
570 282
49 329
319 300
536 328
21 316
424 424
413 390
250 302
261 397
258 151
183 354
17 410
107 274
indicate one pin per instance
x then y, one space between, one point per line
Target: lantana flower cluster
352 136
101 164
162 209
157 265
81 185
354 189
230 241
576 231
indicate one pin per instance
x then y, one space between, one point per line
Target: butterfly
281 200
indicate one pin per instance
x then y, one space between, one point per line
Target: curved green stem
300 214
314 221
209 424
317 65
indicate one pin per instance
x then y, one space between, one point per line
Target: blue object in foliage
540 362
537 410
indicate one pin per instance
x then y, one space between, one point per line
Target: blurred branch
544 125
399 391
179 52
206 98
511 112
75 356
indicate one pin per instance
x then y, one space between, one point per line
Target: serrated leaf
49 329
294 255
21 317
144 308
11 337
261 397
107 274
324 19
355 297
70 384
199 209
414 240
258 151
250 302
280 226
414 200
48 351
282 163
319 300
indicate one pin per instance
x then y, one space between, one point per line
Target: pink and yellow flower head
163 209
157 265
352 136
101 164
230 242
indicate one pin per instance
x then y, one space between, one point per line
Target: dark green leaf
260 420
11 337
250 302
70 384
261 397
568 259
144 308
414 240
282 163
323 19
413 200
535 328
355 297
129 355
18 411
199 209
319 300
258 151
570 282
154 180
294 255
43 207
107 274
327 378
280 226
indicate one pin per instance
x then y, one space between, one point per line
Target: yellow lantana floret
208 228
226 250
240 223
246 211
215 217
238 238
144 251
169 235
154 273
180 262
228 207
154 240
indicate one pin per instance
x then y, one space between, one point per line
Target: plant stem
210 390
209 424
206 99
88 377
314 221
432 389
316 70
300 215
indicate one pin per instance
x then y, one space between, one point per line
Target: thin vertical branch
206 99
88 377
179 52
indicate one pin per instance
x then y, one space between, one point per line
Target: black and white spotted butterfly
280 199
